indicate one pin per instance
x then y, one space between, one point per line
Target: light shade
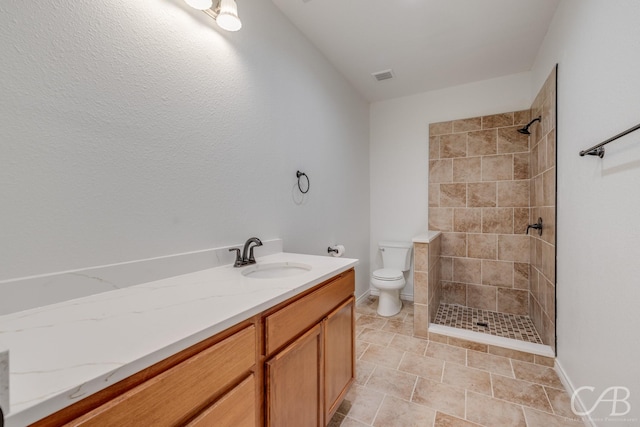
228 16
200 4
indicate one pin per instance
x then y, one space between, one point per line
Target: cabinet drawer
284 325
235 409
176 395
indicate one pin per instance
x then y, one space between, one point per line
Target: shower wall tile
440 128
514 301
521 218
483 246
497 220
551 148
446 267
434 195
497 168
454 293
482 194
497 120
482 143
483 297
521 117
466 125
467 270
467 169
467 220
521 166
453 195
513 193
497 273
440 171
453 145
454 244
512 141
441 219
420 257
513 248
420 283
434 147
521 275
549 187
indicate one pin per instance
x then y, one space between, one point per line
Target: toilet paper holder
332 250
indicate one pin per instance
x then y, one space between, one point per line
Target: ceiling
429 44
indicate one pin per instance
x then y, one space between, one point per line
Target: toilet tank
396 255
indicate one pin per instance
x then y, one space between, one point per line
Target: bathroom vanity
282 355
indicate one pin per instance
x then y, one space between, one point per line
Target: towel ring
299 175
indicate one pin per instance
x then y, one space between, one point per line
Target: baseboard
568 385
363 297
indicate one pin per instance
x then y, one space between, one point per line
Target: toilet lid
388 274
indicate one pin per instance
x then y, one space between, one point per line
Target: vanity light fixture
225 12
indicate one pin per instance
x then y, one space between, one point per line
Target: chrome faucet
247 257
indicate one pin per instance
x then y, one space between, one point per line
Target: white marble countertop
64 352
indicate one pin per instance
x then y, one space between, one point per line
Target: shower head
525 130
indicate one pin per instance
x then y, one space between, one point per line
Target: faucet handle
239 262
252 260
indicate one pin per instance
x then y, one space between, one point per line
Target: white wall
596 44
138 129
399 150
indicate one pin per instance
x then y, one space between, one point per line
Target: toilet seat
388 274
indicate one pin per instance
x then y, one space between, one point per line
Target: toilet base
389 303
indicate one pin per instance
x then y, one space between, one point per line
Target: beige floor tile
350 422
542 419
491 412
410 344
444 420
361 347
390 381
423 366
367 310
446 352
489 362
396 412
399 327
560 402
383 356
521 392
537 374
372 322
363 371
361 403
376 336
441 397
467 378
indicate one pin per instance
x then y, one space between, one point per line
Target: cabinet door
294 381
339 355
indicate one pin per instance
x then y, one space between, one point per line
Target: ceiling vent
383 75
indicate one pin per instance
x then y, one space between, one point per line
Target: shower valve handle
537 226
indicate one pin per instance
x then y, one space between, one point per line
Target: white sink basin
275 270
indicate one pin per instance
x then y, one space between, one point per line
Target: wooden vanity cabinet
310 357
214 377
288 366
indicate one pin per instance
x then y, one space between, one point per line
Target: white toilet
396 258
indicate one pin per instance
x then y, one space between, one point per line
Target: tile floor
494 323
404 381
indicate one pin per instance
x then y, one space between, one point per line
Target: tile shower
487 182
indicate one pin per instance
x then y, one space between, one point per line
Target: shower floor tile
491 322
